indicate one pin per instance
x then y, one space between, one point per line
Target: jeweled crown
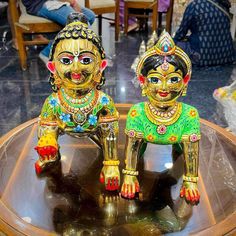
165 46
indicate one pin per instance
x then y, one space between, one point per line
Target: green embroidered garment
77 120
186 128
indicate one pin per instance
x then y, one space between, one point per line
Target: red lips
76 76
163 94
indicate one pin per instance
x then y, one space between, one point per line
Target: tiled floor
23 92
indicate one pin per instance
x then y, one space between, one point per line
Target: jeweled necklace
162 118
78 110
80 101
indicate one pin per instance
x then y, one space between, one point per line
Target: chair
28 24
140 4
233 22
102 7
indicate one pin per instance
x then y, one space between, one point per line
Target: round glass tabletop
69 200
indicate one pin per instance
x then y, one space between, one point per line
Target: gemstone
161 129
165 48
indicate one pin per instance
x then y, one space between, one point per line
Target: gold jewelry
190 179
184 93
73 108
163 117
130 172
144 91
57 81
97 77
111 163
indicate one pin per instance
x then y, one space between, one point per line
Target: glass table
69 200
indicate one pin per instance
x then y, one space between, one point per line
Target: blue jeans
60 16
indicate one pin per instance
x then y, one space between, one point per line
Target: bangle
130 172
190 179
111 163
72 3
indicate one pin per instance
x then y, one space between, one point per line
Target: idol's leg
130 185
110 174
189 188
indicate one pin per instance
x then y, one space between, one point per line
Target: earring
57 81
97 77
144 91
184 93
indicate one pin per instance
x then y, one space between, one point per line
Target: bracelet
111 163
190 179
130 172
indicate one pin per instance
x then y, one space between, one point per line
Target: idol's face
164 85
77 63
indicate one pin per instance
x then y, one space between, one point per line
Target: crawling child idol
164 72
77 107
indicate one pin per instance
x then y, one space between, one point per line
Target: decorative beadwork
190 179
77 108
111 163
163 117
130 172
161 129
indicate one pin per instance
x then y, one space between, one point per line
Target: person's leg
89 14
59 15
186 47
44 54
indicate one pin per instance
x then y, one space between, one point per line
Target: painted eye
65 60
174 80
86 60
154 80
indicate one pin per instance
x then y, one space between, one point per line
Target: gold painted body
163 84
77 107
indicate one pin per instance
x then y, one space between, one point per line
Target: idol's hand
47 150
110 176
189 191
130 186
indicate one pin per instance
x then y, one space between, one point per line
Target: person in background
56 11
210 42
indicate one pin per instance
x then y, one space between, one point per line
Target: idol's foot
189 191
110 177
130 186
45 163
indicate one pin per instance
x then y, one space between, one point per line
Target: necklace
80 101
79 110
163 118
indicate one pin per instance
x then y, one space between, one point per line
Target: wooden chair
101 7
140 4
28 24
233 21
169 15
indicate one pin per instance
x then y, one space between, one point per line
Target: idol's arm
130 185
189 188
47 146
110 174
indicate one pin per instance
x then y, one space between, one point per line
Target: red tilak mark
51 67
